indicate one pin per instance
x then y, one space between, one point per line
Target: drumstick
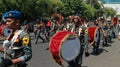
6 43
79 31
72 30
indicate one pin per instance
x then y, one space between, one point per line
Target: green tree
32 9
71 7
109 11
92 2
89 10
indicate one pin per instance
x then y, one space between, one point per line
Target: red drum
93 34
64 45
115 21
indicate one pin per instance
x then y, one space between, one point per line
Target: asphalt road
108 56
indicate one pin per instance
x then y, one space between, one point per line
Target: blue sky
111 1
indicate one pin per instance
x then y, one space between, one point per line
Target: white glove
6 44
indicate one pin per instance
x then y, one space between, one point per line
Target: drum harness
11 47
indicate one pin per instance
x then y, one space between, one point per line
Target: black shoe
87 54
43 41
78 65
47 48
35 42
47 40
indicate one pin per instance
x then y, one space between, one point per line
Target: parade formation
69 39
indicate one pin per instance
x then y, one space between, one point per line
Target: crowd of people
105 32
18 43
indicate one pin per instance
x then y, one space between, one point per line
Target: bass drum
70 48
94 38
64 45
93 34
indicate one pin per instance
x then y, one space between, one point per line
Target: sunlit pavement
108 56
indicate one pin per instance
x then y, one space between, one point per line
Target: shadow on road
112 42
99 52
107 45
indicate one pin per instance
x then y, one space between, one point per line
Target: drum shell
92 32
56 43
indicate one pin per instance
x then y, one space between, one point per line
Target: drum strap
15 37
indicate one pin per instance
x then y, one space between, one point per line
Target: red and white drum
93 34
64 45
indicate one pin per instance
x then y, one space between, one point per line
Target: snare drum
5 31
93 34
64 45
2 55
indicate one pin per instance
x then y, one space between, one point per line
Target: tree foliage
109 11
71 7
31 9
89 11
37 9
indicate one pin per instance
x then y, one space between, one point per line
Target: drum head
70 48
97 35
7 31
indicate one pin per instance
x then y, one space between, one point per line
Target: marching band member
119 31
77 62
40 29
17 44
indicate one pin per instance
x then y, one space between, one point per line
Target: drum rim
59 47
